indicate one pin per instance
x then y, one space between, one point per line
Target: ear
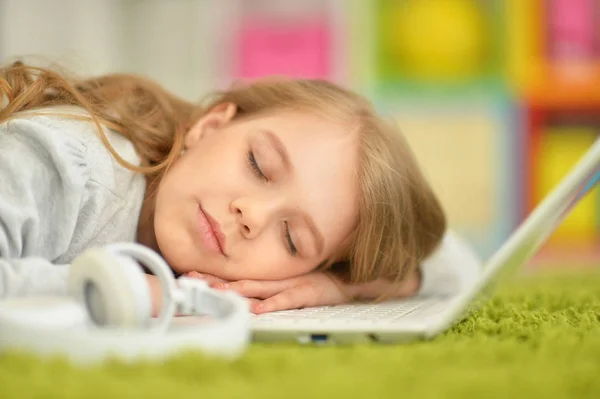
209 123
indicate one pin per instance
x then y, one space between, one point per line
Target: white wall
177 42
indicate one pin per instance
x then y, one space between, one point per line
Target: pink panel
571 29
299 48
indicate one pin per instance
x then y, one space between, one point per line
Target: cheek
266 259
217 166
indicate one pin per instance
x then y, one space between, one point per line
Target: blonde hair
400 220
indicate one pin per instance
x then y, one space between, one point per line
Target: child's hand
313 289
209 278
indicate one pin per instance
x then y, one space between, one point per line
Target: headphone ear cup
112 288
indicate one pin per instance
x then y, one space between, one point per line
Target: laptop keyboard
390 311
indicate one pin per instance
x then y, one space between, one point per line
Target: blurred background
497 98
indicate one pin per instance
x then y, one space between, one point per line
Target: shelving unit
556 79
497 98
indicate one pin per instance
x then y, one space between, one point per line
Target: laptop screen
592 180
547 216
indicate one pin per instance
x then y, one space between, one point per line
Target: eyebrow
282 151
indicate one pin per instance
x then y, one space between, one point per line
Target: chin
173 260
188 260
170 249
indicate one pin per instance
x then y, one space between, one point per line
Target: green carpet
538 338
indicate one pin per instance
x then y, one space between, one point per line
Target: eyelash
291 246
254 166
259 173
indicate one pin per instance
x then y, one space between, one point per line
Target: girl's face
269 197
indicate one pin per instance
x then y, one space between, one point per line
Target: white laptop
402 320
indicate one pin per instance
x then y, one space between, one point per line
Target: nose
255 214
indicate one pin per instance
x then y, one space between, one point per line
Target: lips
210 232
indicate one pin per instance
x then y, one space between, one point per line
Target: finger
209 278
293 298
253 303
260 289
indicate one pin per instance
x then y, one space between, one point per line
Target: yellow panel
524 41
560 149
456 151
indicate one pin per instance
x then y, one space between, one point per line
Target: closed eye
290 243
254 166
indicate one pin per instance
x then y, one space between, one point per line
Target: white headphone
111 285
109 311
